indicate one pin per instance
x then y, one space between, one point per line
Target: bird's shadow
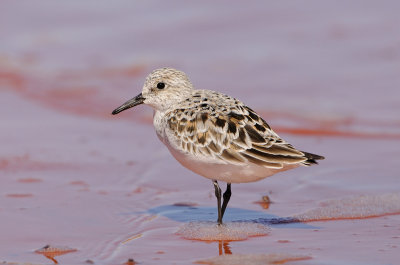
187 213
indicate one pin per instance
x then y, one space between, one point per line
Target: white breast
159 124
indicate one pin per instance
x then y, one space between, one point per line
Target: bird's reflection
224 248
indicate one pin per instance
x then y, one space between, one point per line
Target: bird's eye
161 85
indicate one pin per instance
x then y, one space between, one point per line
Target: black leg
227 196
218 195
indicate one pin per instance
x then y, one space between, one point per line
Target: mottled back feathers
214 124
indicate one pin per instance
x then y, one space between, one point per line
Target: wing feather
237 135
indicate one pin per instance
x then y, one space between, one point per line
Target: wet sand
324 75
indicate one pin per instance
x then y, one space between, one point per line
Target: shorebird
215 135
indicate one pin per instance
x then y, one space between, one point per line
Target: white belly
225 172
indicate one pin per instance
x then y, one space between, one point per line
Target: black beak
129 104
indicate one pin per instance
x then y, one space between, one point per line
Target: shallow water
324 75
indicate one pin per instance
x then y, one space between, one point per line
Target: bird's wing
237 136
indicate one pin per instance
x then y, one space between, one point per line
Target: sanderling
214 135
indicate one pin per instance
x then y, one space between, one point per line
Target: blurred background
324 74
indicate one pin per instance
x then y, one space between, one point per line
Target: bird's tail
311 158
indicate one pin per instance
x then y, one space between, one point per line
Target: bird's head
162 89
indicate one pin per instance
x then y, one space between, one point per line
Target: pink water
324 75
